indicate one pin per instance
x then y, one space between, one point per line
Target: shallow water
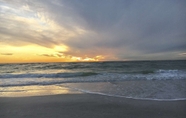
151 90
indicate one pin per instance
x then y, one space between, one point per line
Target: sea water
152 80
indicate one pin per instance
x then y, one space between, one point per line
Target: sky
92 30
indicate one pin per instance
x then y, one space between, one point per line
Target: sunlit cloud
182 54
71 58
8 54
47 55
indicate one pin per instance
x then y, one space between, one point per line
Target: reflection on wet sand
23 91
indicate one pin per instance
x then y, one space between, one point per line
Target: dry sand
88 106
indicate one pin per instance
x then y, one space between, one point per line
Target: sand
88 106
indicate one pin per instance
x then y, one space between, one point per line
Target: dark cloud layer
142 25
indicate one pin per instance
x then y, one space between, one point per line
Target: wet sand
88 106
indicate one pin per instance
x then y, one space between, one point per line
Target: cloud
72 57
30 22
7 54
115 29
138 26
182 54
60 55
47 55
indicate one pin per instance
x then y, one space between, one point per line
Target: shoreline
95 88
88 106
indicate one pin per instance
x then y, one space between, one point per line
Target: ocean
148 80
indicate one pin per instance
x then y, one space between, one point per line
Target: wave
121 96
24 79
80 77
153 71
148 75
49 75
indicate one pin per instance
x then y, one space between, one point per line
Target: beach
88 106
134 89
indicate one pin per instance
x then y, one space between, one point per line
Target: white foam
120 96
163 90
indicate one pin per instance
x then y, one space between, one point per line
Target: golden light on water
23 91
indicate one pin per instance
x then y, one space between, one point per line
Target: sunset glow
35 53
61 31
